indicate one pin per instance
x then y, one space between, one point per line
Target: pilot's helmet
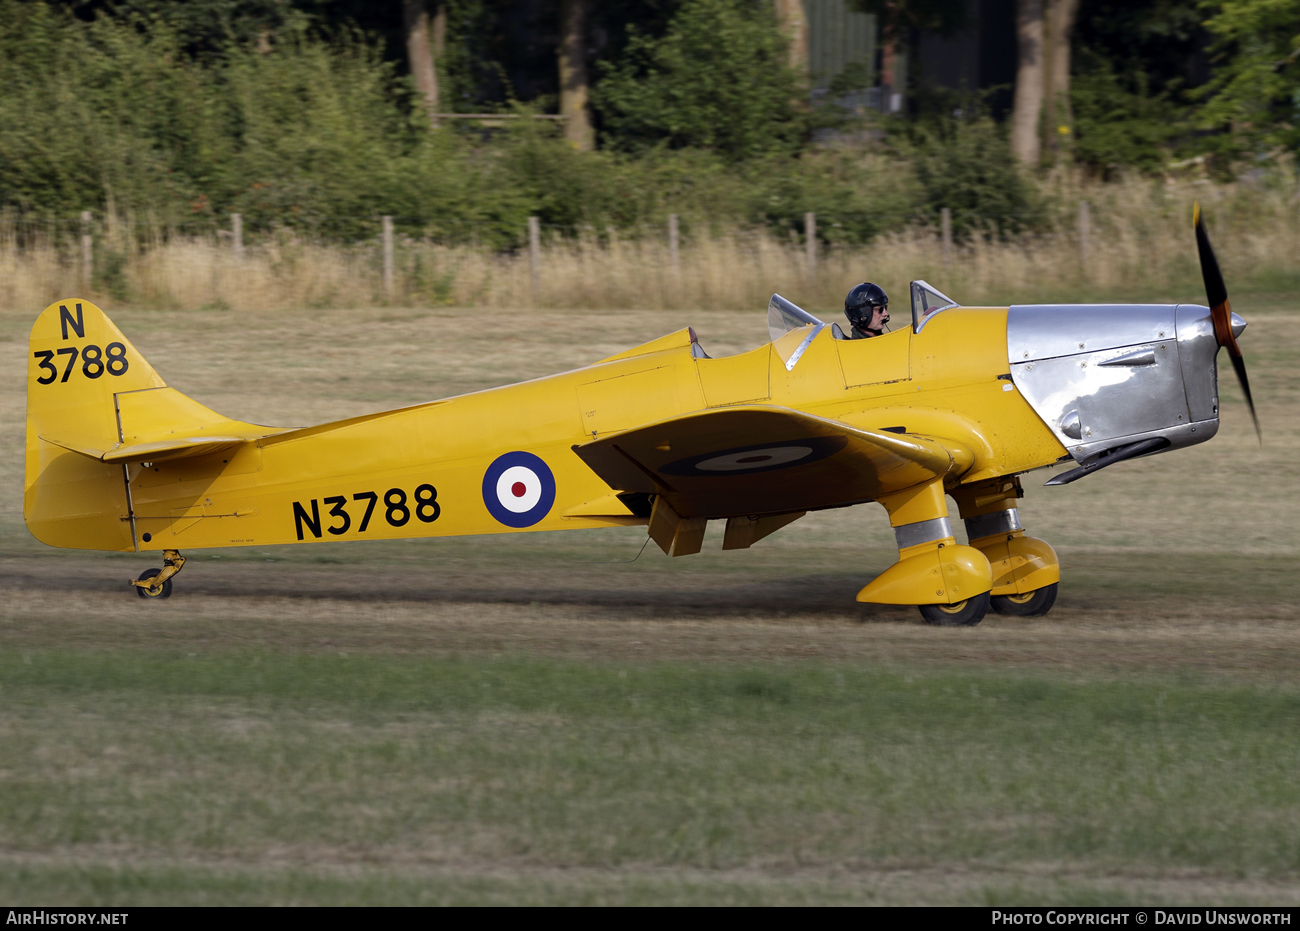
860 303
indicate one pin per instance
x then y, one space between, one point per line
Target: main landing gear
966 613
1030 604
955 585
1026 572
157 583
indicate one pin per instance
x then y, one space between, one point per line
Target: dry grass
1140 247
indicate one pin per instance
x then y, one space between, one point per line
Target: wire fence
113 235
25 228
1128 247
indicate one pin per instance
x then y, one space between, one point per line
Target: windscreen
926 301
782 317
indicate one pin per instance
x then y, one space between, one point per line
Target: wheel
149 574
966 613
1031 604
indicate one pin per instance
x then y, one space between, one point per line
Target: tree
1256 90
794 25
424 38
1028 106
1058 29
1164 40
1042 98
574 90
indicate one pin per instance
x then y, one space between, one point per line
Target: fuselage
318 484
502 460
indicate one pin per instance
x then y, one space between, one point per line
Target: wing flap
756 460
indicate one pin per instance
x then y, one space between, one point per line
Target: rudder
77 363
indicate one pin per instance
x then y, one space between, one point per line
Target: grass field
538 719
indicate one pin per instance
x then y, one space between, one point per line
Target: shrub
716 80
1119 123
966 166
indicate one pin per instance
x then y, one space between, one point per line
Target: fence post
237 236
388 257
672 244
87 251
535 256
945 233
810 240
1085 227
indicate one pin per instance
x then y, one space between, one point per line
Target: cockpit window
782 317
927 301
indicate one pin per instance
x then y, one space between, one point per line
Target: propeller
1216 295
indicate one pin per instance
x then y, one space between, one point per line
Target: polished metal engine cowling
1103 376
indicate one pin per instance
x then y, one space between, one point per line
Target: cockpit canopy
783 316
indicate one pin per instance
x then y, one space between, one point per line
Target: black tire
1032 604
966 613
149 574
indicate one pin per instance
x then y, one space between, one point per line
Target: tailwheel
157 583
966 613
1030 604
160 591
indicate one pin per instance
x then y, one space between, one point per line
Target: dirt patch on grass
1251 642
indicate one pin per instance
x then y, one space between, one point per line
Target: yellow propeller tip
1196 212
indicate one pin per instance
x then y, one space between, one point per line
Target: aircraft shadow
690 594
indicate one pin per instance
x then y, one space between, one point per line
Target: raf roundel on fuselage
518 489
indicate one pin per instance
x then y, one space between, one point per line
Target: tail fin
94 406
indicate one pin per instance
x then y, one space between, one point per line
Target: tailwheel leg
157 583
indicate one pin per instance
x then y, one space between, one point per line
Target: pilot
867 307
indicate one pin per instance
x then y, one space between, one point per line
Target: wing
754 460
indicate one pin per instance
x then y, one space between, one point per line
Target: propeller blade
1239 365
1215 291
1216 295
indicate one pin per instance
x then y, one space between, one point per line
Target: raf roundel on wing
518 489
764 457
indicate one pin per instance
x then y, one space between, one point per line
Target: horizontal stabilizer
757 460
160 451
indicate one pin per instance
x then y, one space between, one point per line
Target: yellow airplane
959 404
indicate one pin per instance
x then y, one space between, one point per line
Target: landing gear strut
1026 571
157 583
948 581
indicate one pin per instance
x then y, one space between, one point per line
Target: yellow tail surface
94 406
